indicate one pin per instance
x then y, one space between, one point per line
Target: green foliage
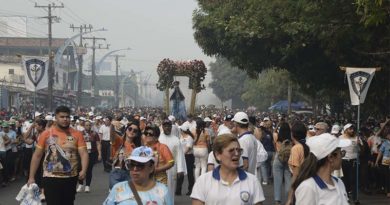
228 81
310 39
270 87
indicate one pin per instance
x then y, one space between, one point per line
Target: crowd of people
227 155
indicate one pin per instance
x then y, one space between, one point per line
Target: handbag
135 193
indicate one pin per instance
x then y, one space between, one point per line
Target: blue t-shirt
385 150
121 194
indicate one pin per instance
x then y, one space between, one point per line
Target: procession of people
228 156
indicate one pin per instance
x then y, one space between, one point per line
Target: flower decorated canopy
195 70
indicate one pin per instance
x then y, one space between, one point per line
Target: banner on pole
359 80
35 72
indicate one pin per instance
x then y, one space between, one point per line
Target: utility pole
93 75
117 79
82 28
51 68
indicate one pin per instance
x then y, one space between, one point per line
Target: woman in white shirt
187 142
227 183
314 184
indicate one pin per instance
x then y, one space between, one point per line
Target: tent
283 106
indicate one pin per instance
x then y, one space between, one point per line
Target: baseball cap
207 119
311 128
266 119
5 124
142 118
90 113
166 122
335 129
171 118
184 127
142 154
37 114
228 117
241 117
349 125
49 118
324 144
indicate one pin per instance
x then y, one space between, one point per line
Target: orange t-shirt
61 148
297 155
163 156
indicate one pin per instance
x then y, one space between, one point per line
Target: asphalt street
99 191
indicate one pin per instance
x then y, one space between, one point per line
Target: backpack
284 151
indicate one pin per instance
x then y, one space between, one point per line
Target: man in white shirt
227 125
105 137
190 122
247 140
175 147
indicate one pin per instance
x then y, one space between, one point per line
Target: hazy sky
154 29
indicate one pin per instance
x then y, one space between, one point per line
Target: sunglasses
235 150
132 165
132 129
148 133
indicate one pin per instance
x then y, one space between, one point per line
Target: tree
270 86
308 38
228 81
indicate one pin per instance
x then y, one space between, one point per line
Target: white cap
184 127
207 119
335 129
349 125
37 114
241 117
49 118
171 118
82 119
324 144
98 117
90 113
266 119
142 118
142 154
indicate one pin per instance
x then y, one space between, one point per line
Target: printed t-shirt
163 156
61 150
121 194
385 150
90 139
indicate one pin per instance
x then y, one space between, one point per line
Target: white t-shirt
105 132
351 151
315 191
248 143
374 142
191 125
212 190
222 129
187 142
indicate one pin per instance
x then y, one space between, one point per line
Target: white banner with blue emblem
35 72
359 80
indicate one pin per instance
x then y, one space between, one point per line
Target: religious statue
178 103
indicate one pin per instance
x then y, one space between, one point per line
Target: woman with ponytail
298 152
314 184
200 148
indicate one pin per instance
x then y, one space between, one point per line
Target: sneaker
80 188
42 197
265 183
87 189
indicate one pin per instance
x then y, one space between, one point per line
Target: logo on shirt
244 195
70 139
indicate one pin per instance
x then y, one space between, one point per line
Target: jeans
60 191
93 156
349 179
266 168
281 173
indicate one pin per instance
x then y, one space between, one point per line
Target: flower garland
195 70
